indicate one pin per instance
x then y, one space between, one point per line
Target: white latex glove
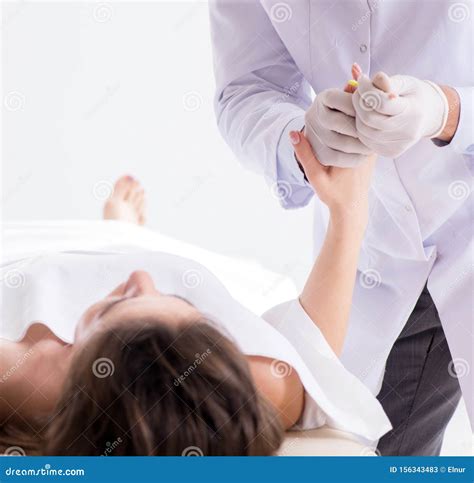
394 113
330 128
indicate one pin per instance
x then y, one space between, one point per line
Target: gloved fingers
336 121
328 156
374 119
379 135
371 99
339 100
402 85
382 81
389 149
345 144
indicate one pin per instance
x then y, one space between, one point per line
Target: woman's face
135 301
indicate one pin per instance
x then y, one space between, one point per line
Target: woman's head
157 379
135 301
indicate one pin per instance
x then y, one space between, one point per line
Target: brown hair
17 439
162 389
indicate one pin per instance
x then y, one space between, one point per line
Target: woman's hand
343 190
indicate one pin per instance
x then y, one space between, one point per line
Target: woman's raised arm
327 295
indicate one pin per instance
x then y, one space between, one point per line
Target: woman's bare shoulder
280 384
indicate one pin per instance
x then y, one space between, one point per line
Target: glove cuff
443 108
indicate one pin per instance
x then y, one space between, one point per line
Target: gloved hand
394 113
331 129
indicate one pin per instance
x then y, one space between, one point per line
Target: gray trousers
420 391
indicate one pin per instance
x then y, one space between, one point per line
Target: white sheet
42 284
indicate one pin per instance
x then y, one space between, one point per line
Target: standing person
415 280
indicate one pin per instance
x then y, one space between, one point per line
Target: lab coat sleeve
260 96
463 140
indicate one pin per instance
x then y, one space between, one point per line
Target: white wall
92 91
127 87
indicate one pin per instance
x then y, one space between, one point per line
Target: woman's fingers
356 71
312 168
350 88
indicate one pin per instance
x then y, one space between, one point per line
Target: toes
141 208
122 187
134 191
138 197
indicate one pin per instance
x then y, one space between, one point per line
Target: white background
92 91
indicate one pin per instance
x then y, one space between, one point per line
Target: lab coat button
363 48
408 208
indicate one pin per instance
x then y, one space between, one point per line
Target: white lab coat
268 56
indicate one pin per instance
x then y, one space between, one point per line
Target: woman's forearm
327 295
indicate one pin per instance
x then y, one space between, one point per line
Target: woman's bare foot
127 202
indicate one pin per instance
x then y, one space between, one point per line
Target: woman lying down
158 366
